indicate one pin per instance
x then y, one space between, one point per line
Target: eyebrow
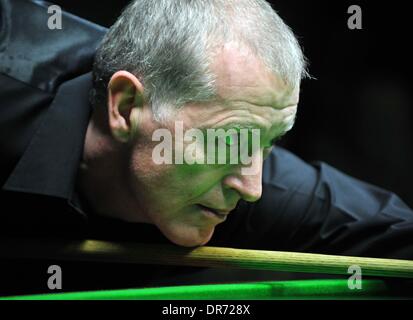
277 138
248 125
232 125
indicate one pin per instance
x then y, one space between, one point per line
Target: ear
125 104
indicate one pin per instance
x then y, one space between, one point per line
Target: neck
103 175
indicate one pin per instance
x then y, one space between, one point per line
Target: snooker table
319 289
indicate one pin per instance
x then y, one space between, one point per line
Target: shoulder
39 56
35 62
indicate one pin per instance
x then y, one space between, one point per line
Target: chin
190 239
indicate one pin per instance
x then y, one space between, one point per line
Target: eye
232 139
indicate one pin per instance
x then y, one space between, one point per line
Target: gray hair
169 46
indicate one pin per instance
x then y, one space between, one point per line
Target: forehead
248 95
240 76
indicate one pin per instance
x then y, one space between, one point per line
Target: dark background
357 114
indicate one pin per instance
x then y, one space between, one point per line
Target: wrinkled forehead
241 76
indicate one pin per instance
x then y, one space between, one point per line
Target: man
80 169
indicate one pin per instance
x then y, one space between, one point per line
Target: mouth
215 213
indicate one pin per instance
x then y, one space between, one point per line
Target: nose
248 186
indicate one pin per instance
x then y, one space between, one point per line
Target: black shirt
45 82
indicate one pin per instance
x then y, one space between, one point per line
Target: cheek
160 187
173 185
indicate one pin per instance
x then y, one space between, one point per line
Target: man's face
186 201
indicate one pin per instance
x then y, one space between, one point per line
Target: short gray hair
169 45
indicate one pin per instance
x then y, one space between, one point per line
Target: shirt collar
50 163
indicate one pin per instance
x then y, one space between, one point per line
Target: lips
221 214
